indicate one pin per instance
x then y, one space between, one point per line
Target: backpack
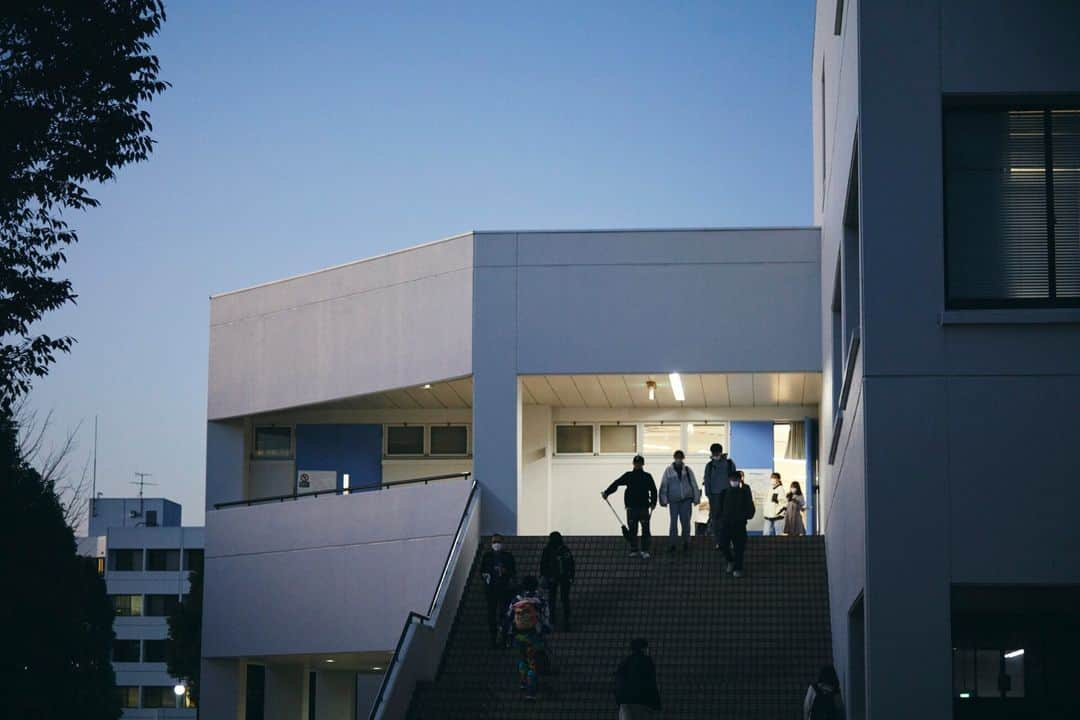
526 615
825 704
565 562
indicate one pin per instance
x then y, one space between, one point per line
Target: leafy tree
73 74
185 637
54 659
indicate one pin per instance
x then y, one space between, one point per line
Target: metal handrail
339 491
417 618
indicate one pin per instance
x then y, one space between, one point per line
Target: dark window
127 605
125 651
838 21
255 692
1012 228
405 440
154 650
574 439
151 518
158 696
193 560
449 440
129 696
162 560
126 560
273 443
161 605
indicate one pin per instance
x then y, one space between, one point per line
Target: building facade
911 359
145 556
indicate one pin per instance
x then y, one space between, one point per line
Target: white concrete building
894 358
145 556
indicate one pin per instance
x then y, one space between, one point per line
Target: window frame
423 440
555 439
952 103
138 651
428 443
164 647
141 603
164 553
598 442
273 458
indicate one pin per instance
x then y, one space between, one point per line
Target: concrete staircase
724 647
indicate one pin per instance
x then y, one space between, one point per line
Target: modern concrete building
145 556
912 359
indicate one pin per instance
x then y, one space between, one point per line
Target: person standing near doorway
497 568
640 500
717 472
796 503
736 507
636 693
679 492
775 507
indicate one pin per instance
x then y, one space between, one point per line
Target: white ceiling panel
425 398
463 389
695 391
446 395
716 390
541 390
615 390
588 386
566 390
402 399
765 388
790 388
639 393
812 389
741 390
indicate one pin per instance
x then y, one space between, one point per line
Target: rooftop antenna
141 482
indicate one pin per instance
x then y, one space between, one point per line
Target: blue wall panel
352 449
752 444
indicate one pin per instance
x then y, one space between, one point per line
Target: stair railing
423 637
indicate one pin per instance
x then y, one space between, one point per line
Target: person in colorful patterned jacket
528 615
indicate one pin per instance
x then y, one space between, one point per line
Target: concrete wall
934 409
288 343
608 302
326 573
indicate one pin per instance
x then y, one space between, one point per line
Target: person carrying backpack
557 575
716 475
822 701
529 622
735 506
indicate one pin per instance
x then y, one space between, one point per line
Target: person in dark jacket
557 575
718 471
735 506
636 693
640 500
497 568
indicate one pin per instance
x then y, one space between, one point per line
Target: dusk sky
301 135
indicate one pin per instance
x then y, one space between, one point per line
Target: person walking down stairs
735 508
529 620
718 471
497 568
636 693
640 500
679 492
556 576
823 701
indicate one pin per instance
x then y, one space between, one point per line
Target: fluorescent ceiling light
965 695
345 481
652 389
330 660
427 386
376 667
676 386
690 428
1014 654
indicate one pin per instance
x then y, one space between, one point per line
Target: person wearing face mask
775 507
640 501
736 507
679 493
636 693
717 472
796 503
497 568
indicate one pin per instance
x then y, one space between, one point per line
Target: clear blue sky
301 135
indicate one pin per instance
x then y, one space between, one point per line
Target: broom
625 530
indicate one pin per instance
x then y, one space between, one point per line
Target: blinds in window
996 205
1066 152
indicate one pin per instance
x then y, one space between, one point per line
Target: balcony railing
340 491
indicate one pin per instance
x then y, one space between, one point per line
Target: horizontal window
125 651
405 440
618 439
661 441
128 695
157 696
154 650
449 440
273 443
1012 207
193 560
701 436
161 605
162 560
127 605
573 439
126 560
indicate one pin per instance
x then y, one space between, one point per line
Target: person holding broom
640 500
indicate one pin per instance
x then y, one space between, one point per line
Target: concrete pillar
221 689
496 397
225 461
286 692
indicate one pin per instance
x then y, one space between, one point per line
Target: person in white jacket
774 508
679 492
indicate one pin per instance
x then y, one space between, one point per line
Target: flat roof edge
339 266
766 228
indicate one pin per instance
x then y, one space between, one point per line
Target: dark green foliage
54 659
185 637
72 76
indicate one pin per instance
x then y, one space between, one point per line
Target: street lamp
179 690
